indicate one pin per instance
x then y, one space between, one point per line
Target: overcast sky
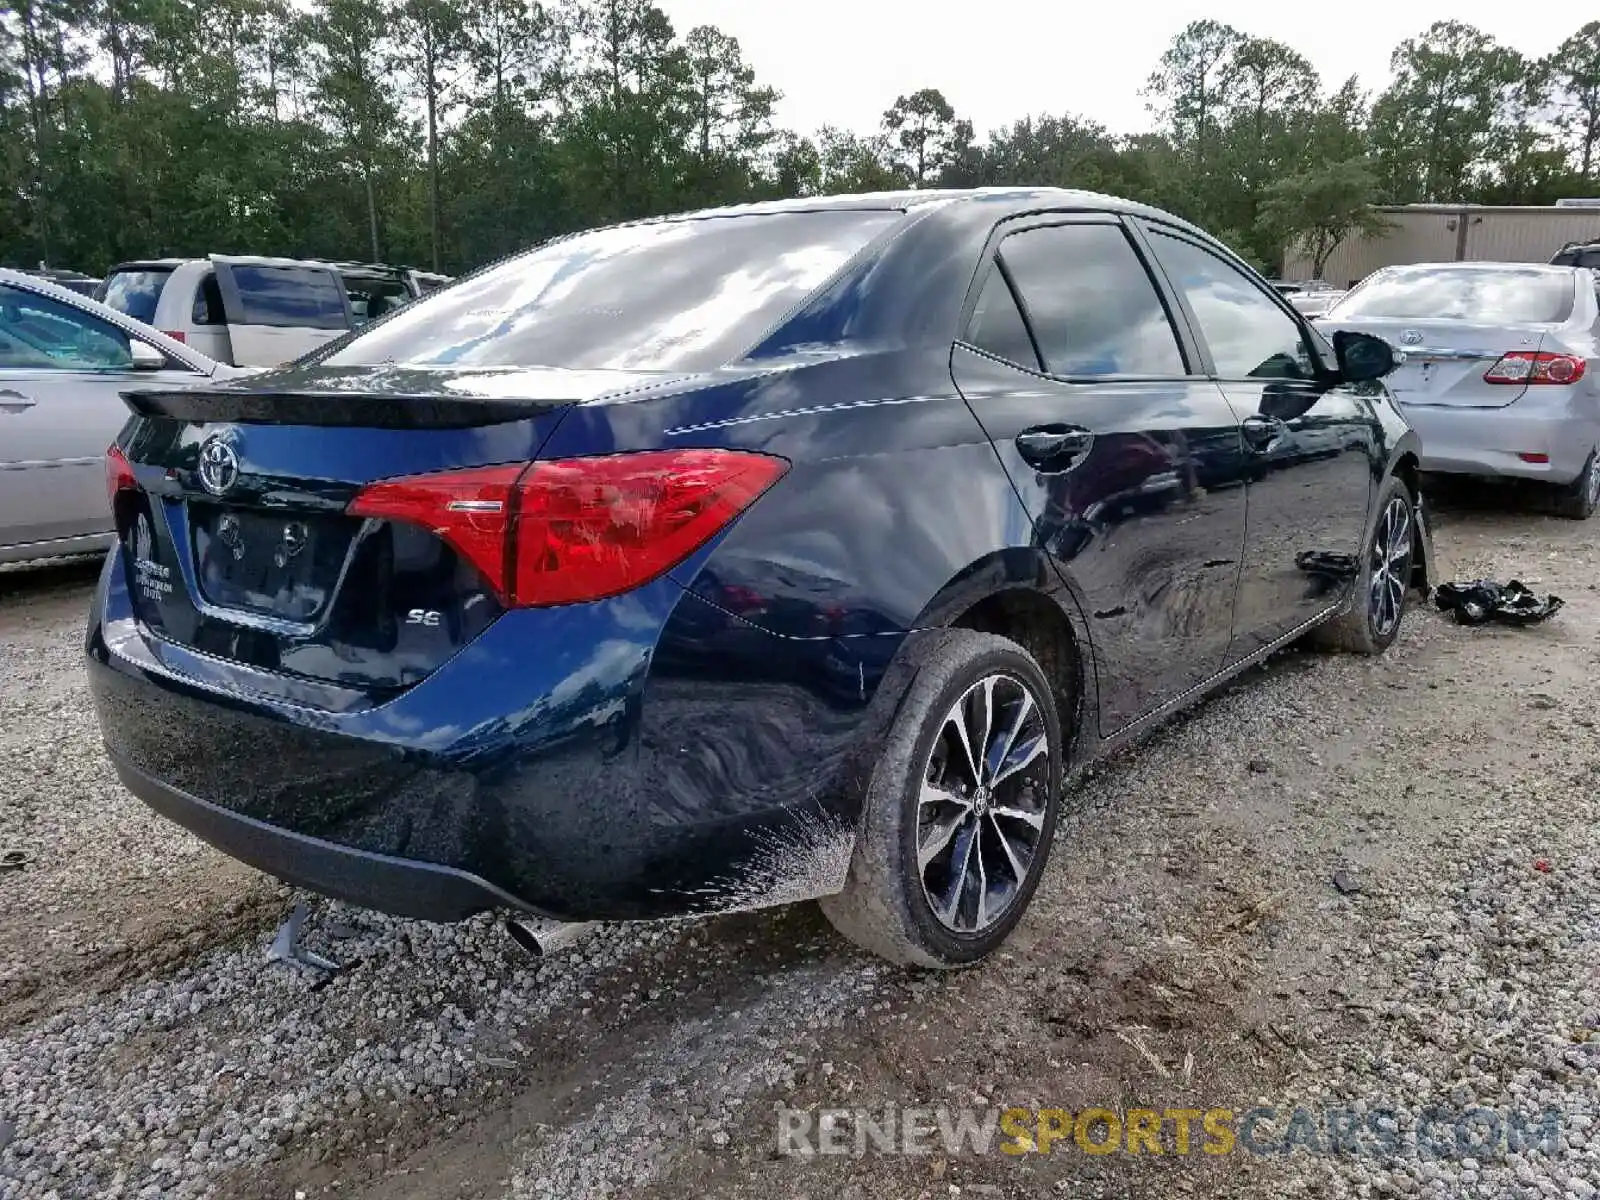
842 62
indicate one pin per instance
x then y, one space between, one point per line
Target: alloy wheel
1592 484
982 809
1391 567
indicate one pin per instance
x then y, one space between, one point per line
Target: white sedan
64 362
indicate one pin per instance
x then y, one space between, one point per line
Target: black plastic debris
14 860
1483 600
1348 882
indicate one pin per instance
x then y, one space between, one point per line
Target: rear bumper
402 886
1489 441
645 757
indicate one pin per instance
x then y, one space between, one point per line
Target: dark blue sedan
788 551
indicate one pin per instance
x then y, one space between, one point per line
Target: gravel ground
1189 948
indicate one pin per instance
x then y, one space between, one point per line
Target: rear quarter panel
777 676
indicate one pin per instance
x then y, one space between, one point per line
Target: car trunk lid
1446 361
239 537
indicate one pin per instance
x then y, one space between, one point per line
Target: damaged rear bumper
573 764
401 886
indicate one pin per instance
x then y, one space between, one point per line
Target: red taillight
472 510
577 529
119 474
1528 366
176 335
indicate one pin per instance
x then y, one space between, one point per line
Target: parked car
64 362
1577 254
256 311
1500 375
709 562
73 281
376 290
427 281
1315 303
1288 287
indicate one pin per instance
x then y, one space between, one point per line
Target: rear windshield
1493 297
136 292
668 296
289 297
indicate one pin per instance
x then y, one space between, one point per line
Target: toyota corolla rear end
396 633
1498 376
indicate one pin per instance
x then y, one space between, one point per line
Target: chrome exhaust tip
539 939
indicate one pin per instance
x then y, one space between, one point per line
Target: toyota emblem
219 465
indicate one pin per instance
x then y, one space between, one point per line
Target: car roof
1544 268
1004 201
43 287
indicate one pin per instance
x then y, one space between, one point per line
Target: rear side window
1092 305
136 292
680 295
997 326
292 297
1490 295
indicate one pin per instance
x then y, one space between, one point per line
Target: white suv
255 312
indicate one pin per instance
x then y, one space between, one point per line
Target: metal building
1454 233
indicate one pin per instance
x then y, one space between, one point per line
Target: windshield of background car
136 292
684 295
1496 296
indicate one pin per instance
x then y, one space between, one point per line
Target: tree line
447 133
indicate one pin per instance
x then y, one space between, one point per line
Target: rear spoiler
334 409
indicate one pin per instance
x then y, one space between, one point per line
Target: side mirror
1363 357
145 356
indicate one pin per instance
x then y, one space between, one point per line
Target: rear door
1313 444
278 310
1125 455
62 372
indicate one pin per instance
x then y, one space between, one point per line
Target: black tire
1578 500
1374 618
886 904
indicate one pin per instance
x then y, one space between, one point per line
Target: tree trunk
1591 135
34 76
433 143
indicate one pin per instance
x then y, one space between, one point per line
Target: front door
1127 459
1314 445
62 372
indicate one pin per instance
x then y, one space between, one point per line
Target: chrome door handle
1262 433
1054 447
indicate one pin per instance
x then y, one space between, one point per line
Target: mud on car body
796 550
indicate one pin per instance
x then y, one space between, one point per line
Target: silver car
64 362
1502 368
